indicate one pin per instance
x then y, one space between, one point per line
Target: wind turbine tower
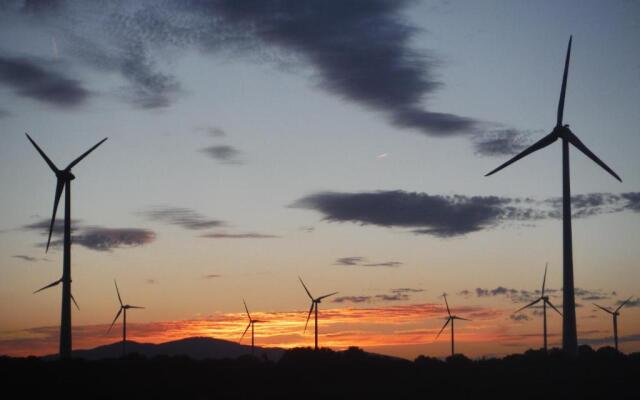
64 178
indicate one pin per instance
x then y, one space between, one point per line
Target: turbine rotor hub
66 176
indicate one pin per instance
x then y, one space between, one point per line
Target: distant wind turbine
123 308
451 319
569 329
251 324
545 300
314 305
64 178
615 315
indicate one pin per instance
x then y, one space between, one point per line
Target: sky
345 142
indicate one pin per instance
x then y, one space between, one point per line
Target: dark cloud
35 80
249 235
407 290
442 216
398 294
184 217
151 281
224 154
107 239
42 226
608 340
358 50
361 261
519 317
453 215
352 299
349 261
501 142
211 276
94 237
25 258
392 297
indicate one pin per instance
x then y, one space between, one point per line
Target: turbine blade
554 307
115 319
59 187
573 139
447 303
623 304
544 279
464 319
326 295
247 309
138 307
603 309
74 302
305 288
118 292
86 153
49 162
542 143
313 303
445 325
48 286
529 305
564 84
245 332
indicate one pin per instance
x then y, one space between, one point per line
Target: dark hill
197 348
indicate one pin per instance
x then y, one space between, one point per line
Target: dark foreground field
302 373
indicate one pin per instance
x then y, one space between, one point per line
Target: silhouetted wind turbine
615 315
545 300
451 319
251 324
569 329
64 178
314 305
123 308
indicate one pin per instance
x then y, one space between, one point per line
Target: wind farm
288 187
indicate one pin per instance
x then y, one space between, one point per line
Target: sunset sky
346 142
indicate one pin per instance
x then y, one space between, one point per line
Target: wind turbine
123 308
560 131
251 324
64 178
615 315
451 319
545 300
314 305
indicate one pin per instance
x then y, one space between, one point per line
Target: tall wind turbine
251 324
560 131
314 305
615 315
451 319
123 308
64 178
545 300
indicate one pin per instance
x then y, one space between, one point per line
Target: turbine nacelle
65 175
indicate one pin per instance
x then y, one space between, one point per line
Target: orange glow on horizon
369 328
